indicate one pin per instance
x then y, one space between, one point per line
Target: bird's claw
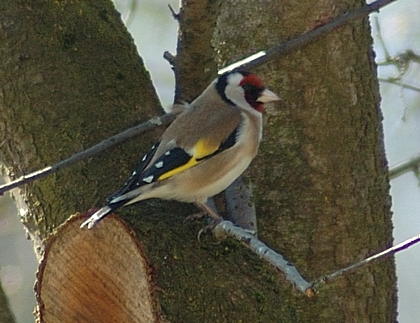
209 227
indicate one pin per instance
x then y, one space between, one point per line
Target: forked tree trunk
70 77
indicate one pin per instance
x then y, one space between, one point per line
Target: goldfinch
204 150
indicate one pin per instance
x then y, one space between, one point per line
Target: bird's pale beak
267 96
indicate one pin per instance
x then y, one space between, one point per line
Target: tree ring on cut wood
97 275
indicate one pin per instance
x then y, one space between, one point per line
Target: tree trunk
6 315
322 189
72 79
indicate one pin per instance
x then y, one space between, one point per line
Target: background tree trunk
72 79
6 315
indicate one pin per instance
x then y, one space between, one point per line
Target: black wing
177 160
131 183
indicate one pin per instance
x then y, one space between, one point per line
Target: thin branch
388 252
173 13
228 229
132 10
108 143
404 167
311 36
401 59
381 40
170 58
402 63
396 82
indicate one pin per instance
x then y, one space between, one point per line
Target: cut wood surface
98 275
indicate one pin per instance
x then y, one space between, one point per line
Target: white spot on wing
167 153
159 164
148 179
144 158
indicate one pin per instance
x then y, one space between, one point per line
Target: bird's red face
244 89
253 87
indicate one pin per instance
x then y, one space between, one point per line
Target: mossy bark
195 65
322 191
71 77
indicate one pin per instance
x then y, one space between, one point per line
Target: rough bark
321 184
70 77
195 64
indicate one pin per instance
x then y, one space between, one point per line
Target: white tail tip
96 217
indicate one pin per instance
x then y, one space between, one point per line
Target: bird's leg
209 211
205 209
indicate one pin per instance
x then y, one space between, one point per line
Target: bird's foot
209 227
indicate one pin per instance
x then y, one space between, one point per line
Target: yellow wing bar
202 149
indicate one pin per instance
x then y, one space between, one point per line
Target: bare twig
396 82
381 40
133 8
170 58
110 142
313 35
174 14
404 167
402 63
227 228
401 59
388 252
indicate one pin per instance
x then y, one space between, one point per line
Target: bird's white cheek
236 94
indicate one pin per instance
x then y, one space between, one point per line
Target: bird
208 145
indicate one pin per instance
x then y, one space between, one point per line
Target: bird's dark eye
252 93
